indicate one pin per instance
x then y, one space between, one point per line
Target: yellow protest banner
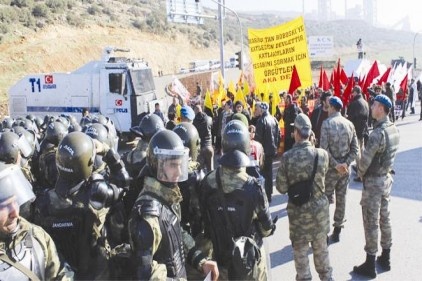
275 50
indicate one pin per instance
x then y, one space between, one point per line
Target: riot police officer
26 250
246 205
157 239
148 126
191 219
74 211
47 171
13 149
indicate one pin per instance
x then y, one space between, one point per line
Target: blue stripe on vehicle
67 109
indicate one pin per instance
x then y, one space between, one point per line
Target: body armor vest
29 254
382 163
241 205
170 252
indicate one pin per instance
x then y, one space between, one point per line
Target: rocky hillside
61 35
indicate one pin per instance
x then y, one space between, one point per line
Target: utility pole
221 29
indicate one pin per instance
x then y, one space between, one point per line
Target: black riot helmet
64 120
236 145
14 183
190 138
7 123
97 131
56 131
75 161
167 157
30 136
112 132
149 125
11 145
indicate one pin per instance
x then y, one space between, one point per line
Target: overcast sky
389 11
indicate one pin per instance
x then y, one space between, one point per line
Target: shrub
4 28
8 15
22 3
56 6
40 11
75 20
93 10
139 24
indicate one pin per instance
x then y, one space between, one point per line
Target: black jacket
203 124
358 114
268 133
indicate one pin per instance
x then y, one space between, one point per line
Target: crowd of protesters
155 212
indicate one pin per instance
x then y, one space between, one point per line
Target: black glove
120 178
273 227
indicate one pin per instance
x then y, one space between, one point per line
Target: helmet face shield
14 183
24 146
172 165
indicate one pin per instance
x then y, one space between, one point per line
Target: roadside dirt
64 49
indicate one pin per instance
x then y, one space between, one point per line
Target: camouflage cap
302 122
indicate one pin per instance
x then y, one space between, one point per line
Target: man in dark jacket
358 113
268 134
203 124
289 116
319 115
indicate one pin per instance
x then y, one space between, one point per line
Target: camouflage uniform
338 138
51 268
309 222
135 158
233 179
153 190
374 167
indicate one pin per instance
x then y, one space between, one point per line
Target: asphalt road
406 217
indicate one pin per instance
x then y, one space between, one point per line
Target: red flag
343 77
403 86
385 76
325 82
295 81
333 74
348 91
362 81
320 78
372 74
337 84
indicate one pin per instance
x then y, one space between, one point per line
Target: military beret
336 102
187 112
384 100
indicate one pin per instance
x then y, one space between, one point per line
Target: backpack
246 256
245 253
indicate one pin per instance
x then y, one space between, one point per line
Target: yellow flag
240 82
239 97
208 102
231 88
221 95
178 108
253 106
246 90
275 103
220 80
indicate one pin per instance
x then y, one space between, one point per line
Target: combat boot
367 268
384 260
335 236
